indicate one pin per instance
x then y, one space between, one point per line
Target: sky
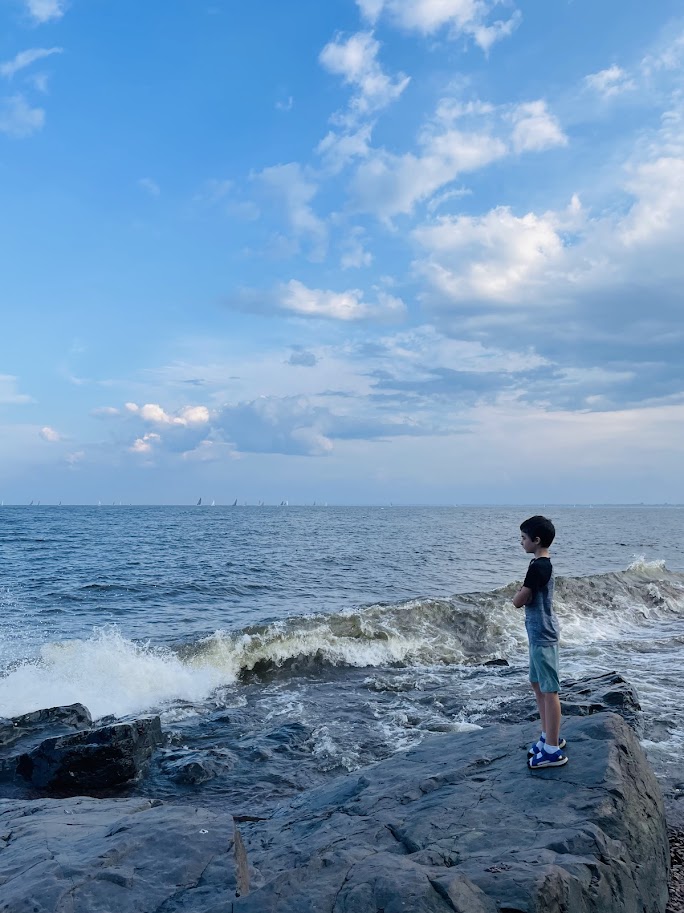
355 252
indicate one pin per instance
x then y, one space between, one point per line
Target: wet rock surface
457 823
86 761
27 731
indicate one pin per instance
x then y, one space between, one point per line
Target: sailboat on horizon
199 503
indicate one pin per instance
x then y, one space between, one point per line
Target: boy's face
529 545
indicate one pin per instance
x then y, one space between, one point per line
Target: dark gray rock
92 760
457 823
124 855
579 697
595 693
463 814
19 731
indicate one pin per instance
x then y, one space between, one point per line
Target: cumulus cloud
145 443
105 412
493 257
156 415
610 82
18 119
355 60
348 306
388 185
25 59
535 128
657 215
49 434
460 17
45 10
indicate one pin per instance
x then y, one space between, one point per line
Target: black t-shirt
538 574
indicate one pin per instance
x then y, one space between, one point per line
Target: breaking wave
113 675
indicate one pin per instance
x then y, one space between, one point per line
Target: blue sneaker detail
534 749
546 758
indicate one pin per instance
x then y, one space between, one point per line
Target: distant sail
213 503
235 503
199 503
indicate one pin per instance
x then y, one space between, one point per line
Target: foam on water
107 673
111 674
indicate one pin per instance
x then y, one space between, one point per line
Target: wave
112 675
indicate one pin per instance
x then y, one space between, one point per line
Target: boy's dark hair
539 526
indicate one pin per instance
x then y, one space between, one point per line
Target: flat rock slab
456 824
113 856
460 824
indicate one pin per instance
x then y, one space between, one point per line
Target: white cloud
355 60
149 186
337 149
535 129
388 184
462 17
354 254
668 57
46 10
610 82
49 434
487 35
156 415
18 119
657 216
495 257
105 412
9 395
145 443
25 59
296 191
347 306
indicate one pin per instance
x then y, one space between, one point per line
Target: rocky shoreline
456 823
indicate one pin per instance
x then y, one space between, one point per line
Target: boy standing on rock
536 594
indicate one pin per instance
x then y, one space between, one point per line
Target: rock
92 760
460 820
41 724
102 855
579 697
192 768
594 693
458 823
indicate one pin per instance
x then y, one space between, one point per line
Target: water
284 645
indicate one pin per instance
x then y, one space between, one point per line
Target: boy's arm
522 597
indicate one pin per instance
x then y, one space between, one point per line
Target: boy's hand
522 597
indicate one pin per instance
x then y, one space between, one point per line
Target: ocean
283 646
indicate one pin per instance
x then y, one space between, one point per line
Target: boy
536 594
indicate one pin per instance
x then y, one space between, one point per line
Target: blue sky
360 251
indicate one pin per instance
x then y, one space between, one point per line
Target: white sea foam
113 675
641 565
107 673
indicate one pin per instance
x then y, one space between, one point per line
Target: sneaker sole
546 764
562 744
